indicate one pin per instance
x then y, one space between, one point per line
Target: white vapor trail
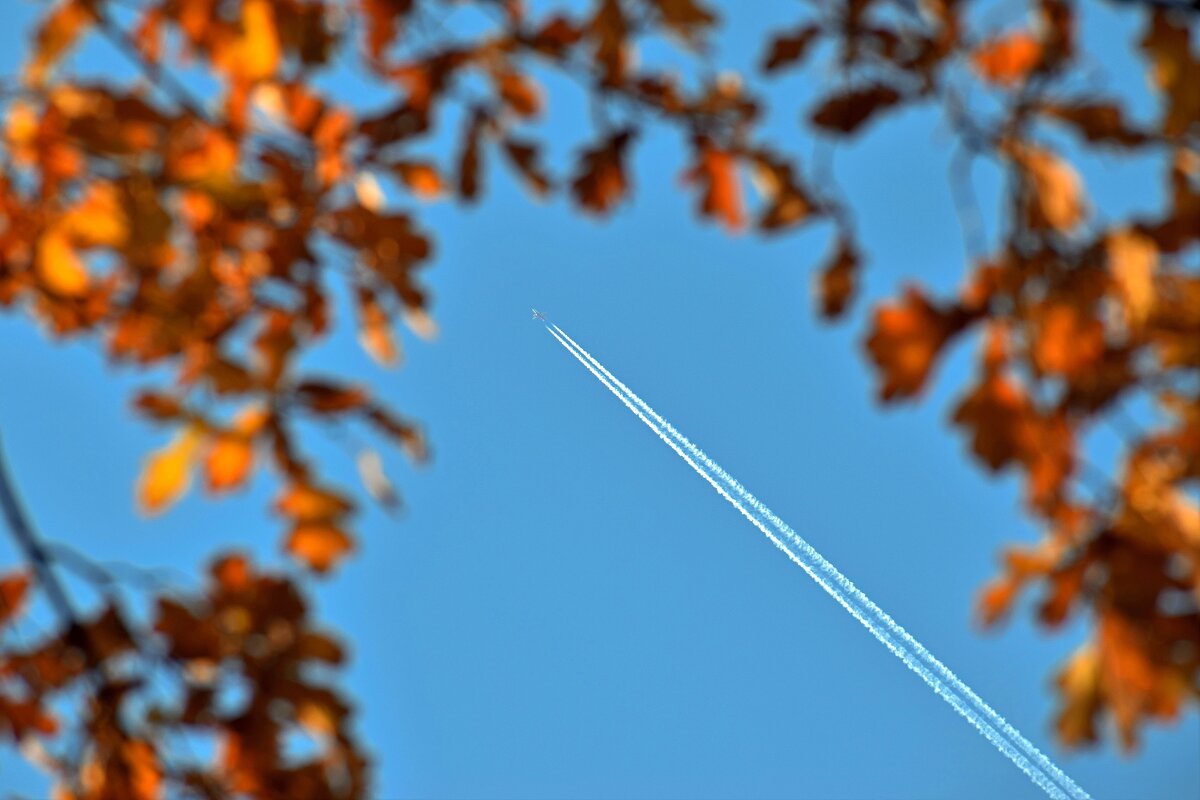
936 675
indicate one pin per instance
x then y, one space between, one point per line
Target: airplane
538 315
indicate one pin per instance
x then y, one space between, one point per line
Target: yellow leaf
99 220
59 267
1133 258
319 545
254 55
167 472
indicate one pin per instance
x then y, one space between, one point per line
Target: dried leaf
837 282
789 49
906 339
721 197
847 112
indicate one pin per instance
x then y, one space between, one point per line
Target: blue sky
566 610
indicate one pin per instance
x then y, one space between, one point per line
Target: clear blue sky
567 610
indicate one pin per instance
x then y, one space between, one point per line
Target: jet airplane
538 315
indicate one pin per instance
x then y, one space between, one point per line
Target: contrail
945 683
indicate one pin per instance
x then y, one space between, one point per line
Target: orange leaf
716 171
230 457
1057 199
375 330
996 599
60 30
305 503
1133 259
420 178
1067 340
59 267
521 94
232 572
166 473
13 588
319 545
906 339
1008 60
254 55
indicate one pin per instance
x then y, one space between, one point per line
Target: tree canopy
194 217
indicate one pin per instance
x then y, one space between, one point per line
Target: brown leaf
471 155
609 29
328 398
849 111
993 414
687 18
525 157
600 181
790 48
906 339
520 93
1097 122
837 282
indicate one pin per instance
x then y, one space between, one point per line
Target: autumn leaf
1098 122
525 157
166 473
1133 259
58 32
420 178
1056 192
255 53
13 588
520 93
789 49
59 267
375 330
847 112
306 503
1067 339
905 340
837 281
687 18
318 545
599 181
993 415
721 195
1008 60
230 457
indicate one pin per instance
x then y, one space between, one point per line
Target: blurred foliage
196 235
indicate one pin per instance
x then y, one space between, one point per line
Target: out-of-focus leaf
1008 60
849 111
